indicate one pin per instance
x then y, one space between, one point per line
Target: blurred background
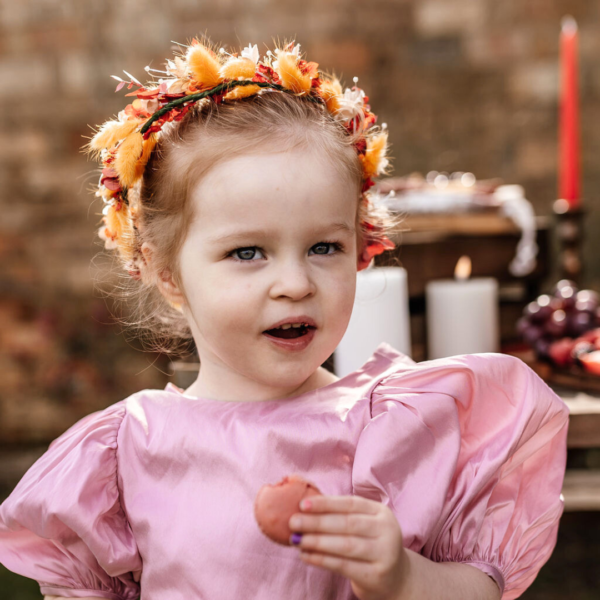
465 86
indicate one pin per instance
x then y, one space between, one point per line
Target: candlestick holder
569 232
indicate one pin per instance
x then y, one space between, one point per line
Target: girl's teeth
288 325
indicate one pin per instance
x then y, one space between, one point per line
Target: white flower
176 68
150 106
251 52
351 104
176 86
109 243
382 164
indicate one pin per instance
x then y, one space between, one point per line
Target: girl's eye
323 247
248 253
245 254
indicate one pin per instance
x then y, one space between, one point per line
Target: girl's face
274 239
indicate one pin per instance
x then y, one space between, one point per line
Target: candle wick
569 24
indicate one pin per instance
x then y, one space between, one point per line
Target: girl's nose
292 280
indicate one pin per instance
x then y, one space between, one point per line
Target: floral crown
125 145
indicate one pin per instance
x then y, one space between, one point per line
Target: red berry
560 352
580 348
591 362
592 336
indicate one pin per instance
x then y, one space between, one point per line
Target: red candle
569 182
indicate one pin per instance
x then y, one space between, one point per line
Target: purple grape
566 294
532 334
579 322
544 300
556 326
522 325
586 300
564 283
542 348
538 313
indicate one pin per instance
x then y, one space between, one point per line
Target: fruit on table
591 362
539 310
588 301
592 336
554 324
565 292
560 352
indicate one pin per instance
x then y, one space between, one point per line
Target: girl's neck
319 379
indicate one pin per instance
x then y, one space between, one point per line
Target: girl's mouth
291 338
290 332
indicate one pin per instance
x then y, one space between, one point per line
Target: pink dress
154 494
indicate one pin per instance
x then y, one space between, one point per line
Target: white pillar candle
462 316
380 314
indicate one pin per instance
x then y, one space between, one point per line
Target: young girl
236 192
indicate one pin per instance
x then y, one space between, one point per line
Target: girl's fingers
341 504
347 524
342 546
356 570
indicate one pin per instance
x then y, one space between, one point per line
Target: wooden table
581 489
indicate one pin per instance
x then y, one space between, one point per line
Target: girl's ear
164 280
362 264
363 259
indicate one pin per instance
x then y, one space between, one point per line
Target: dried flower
204 66
128 154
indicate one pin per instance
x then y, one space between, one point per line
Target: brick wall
463 84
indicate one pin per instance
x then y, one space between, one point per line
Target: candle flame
462 272
568 24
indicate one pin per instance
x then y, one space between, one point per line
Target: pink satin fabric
468 452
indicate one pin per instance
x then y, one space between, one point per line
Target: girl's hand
355 537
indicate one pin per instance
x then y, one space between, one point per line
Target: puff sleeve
63 525
469 453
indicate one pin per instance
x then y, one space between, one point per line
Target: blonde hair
186 151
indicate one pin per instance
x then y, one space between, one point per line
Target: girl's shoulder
63 524
491 378
480 395
469 453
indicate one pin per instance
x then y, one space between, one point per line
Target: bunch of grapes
563 326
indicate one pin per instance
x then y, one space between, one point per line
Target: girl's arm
444 581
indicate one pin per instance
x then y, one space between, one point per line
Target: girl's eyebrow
234 235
